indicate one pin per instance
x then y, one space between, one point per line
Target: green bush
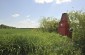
77 19
49 24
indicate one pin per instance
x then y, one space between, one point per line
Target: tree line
2 26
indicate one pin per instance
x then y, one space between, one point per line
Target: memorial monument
64 27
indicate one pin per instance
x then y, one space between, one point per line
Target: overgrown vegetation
33 42
77 19
49 24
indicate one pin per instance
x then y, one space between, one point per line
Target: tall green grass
34 42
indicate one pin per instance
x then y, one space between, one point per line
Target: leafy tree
49 24
77 21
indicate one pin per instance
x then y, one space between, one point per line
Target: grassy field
34 42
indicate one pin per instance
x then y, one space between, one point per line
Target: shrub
77 19
49 24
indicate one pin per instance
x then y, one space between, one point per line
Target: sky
28 13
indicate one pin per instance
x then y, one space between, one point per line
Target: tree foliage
49 24
77 21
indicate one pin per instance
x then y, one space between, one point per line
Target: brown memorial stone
64 28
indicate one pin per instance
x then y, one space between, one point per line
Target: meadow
35 42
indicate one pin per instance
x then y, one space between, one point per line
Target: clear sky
27 13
